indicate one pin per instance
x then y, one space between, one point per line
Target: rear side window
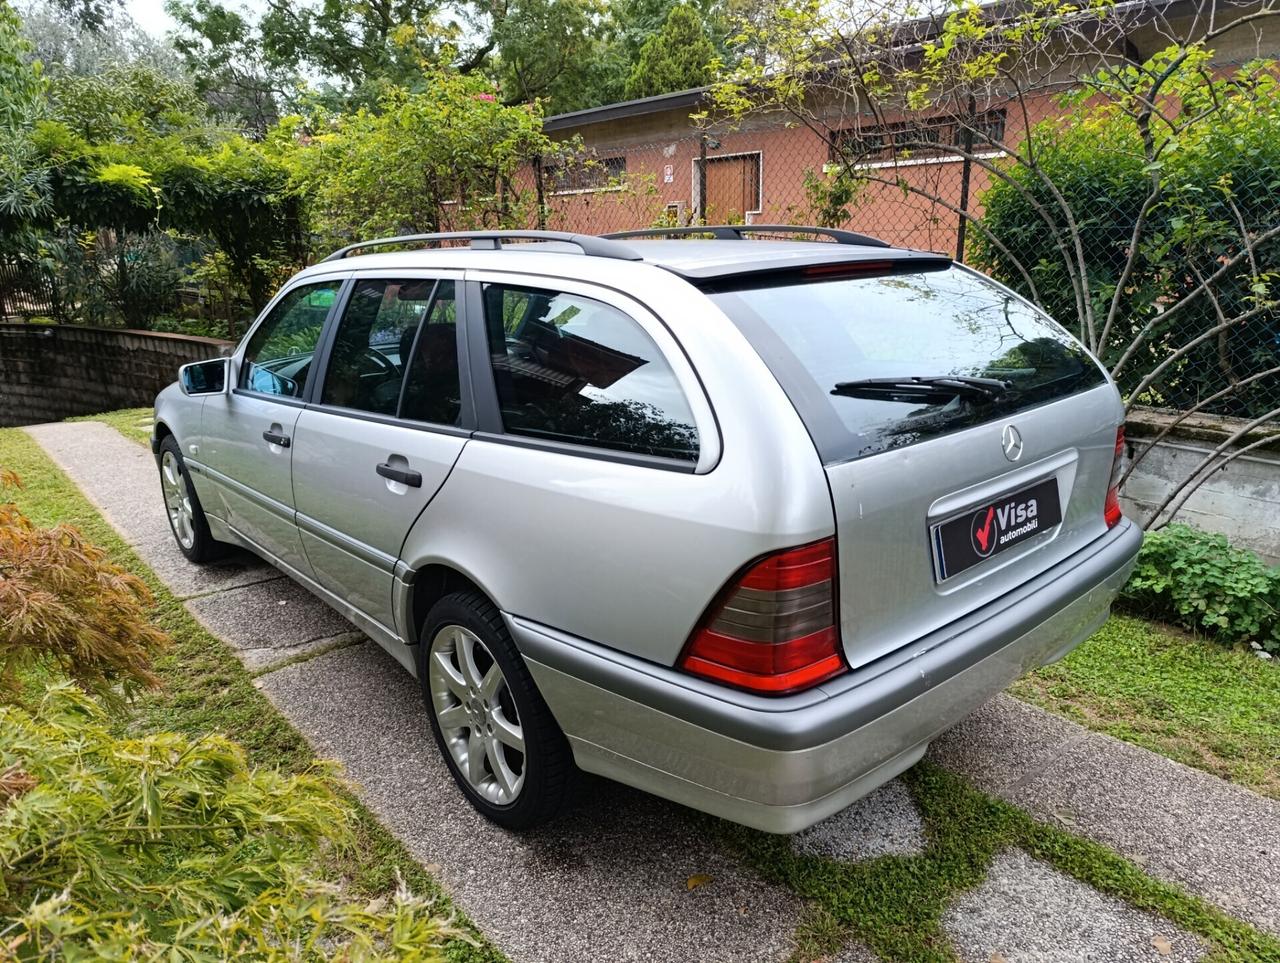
431 391
833 342
383 347
572 369
277 359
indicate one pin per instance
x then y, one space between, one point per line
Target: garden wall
1241 499
50 372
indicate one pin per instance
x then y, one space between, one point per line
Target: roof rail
736 232
590 245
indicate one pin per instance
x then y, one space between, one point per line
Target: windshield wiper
917 386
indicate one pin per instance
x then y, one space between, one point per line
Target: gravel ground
884 823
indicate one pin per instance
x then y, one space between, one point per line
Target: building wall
661 149
51 372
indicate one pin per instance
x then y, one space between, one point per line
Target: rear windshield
817 334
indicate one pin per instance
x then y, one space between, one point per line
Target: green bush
168 847
1219 179
1199 581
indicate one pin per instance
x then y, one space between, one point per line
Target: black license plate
995 526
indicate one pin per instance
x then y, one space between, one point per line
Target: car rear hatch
968 440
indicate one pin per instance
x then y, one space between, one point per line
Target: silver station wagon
741 520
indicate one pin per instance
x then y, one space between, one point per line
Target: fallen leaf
1163 946
997 957
696 880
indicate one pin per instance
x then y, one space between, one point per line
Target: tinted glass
573 369
372 345
817 334
431 392
277 359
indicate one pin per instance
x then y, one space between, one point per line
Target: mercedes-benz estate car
741 520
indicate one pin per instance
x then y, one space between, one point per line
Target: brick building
755 173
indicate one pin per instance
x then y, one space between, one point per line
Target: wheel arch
159 433
431 582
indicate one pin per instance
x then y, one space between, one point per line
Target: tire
186 518
477 734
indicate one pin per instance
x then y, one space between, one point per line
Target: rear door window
393 328
573 369
829 340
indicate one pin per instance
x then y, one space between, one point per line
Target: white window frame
696 192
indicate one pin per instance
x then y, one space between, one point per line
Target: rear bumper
783 764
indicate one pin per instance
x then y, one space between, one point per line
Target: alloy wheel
177 501
477 714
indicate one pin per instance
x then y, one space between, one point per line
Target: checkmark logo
984 534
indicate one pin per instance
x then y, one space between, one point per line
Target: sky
150 15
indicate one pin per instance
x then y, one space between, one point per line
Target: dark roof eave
912 34
627 108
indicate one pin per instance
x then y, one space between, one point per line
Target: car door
248 432
385 427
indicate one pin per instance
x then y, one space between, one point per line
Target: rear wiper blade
918 386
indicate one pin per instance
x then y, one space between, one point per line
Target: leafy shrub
1218 182
167 847
1199 581
64 607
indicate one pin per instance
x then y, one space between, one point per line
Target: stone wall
50 372
1240 499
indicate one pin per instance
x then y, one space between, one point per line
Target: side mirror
205 377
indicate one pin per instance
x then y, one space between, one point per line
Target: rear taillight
773 629
1111 508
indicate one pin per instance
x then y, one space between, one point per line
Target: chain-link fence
1185 320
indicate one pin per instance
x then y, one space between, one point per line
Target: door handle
276 438
405 476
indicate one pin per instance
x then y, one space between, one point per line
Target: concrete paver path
608 882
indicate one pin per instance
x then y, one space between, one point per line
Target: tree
223 54
66 609
367 47
551 49
443 158
678 57
1146 219
24 180
93 15
133 152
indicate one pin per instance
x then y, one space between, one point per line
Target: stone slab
275 617
1218 840
1028 912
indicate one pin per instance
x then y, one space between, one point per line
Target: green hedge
1199 581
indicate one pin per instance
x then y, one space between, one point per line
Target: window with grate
915 139
593 174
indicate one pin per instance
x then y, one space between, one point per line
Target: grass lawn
133 423
1191 699
206 689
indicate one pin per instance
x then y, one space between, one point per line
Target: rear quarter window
818 333
568 368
